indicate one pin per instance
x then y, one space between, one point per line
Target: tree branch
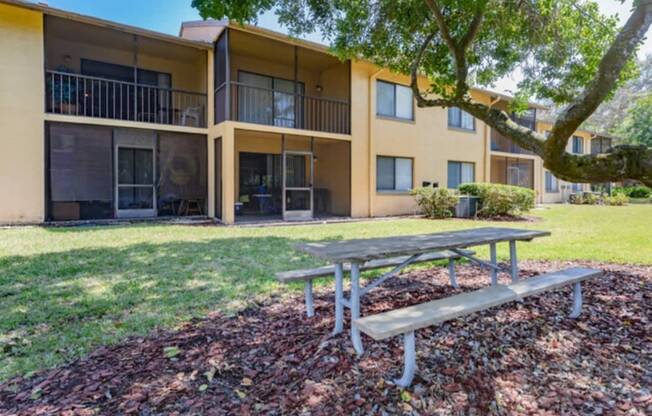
414 81
458 50
611 65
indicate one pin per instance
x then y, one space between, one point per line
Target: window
460 119
267 100
578 145
459 173
552 184
577 187
393 173
393 100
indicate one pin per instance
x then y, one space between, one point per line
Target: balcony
500 143
600 145
86 96
100 72
252 104
267 81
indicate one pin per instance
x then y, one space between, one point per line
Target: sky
166 16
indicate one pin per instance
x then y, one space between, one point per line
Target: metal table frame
353 301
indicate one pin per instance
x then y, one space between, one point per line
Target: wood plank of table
361 250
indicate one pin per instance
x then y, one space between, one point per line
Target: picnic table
357 252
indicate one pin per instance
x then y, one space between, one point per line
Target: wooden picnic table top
361 250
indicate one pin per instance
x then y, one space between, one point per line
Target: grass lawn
64 291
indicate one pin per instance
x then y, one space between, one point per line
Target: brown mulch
522 358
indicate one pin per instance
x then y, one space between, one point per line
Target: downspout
370 150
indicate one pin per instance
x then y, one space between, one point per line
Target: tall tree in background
637 125
567 51
613 115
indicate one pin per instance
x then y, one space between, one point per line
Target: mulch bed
522 358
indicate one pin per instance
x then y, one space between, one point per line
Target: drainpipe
370 155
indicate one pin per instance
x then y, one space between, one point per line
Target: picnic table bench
358 252
406 321
308 275
356 255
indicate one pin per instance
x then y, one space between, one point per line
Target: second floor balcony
266 81
100 72
286 108
500 143
86 96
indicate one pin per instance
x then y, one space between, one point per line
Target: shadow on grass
56 306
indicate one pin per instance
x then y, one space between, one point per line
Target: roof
44 8
507 97
591 132
203 44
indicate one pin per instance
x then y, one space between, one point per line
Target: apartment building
102 120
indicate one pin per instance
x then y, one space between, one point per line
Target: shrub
576 199
617 200
639 192
591 199
636 191
500 200
436 202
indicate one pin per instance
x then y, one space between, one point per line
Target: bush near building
436 202
636 191
498 200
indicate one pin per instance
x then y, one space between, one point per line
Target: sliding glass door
267 100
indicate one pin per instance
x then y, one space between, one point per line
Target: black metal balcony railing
259 105
81 95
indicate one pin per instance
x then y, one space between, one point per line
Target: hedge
500 200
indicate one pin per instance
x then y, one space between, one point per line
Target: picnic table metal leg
451 272
513 260
494 261
355 307
339 298
310 309
577 301
410 361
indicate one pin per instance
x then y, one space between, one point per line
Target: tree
612 115
637 127
566 50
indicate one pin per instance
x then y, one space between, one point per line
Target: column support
513 260
494 261
355 307
339 296
451 273
577 301
409 361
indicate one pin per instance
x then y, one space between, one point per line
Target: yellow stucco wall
564 187
427 140
21 115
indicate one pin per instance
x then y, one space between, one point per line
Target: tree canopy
566 51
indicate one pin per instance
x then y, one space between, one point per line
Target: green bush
639 192
436 202
576 199
636 191
500 200
617 200
591 199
